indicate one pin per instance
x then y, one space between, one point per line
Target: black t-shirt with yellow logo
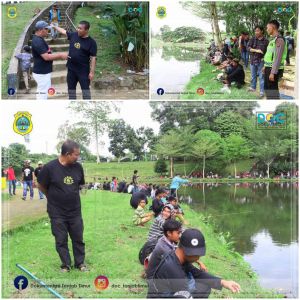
62 183
80 51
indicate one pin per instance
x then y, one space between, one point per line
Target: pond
172 68
263 221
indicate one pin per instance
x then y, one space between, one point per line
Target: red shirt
11 174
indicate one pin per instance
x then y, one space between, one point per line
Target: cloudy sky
47 116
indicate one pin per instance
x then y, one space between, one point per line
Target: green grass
108 53
206 80
112 246
12 29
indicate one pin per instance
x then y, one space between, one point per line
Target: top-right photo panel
224 50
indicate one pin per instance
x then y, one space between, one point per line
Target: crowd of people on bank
171 248
266 57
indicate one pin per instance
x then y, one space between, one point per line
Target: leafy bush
160 167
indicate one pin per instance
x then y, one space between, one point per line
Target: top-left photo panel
75 50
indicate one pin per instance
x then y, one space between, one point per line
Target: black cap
192 242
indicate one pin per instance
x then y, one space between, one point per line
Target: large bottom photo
142 199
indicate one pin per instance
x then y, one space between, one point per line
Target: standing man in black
60 180
81 60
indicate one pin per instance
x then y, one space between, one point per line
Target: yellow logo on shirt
77 45
68 180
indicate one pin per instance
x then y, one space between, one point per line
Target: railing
69 16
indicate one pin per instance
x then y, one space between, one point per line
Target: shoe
23 198
261 95
27 91
65 269
251 90
225 89
42 198
82 268
31 198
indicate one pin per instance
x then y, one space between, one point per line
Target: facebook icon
21 283
160 91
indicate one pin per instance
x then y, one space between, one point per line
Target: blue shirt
177 181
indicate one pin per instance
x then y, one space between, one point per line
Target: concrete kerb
14 70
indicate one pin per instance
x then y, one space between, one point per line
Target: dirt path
17 212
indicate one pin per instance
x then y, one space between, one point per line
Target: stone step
59 41
57 77
59 48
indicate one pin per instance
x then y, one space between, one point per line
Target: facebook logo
160 91
21 283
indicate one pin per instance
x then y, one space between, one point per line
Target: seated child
140 216
25 58
178 212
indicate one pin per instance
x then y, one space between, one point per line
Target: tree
75 132
201 115
170 145
96 118
229 122
236 148
118 138
207 144
15 155
160 166
146 138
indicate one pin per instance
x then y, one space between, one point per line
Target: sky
47 116
174 10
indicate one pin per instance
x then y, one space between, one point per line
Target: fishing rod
56 294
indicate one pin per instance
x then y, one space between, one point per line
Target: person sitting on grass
140 216
178 211
157 203
135 199
26 58
176 277
156 229
236 75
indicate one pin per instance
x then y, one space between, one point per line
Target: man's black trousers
61 228
271 87
83 78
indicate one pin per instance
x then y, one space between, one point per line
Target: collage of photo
149 149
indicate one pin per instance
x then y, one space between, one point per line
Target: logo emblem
194 242
160 91
161 12
21 283
77 45
12 12
51 91
271 120
101 283
68 180
200 91
22 123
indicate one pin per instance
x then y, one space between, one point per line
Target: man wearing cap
36 173
43 60
81 59
27 179
176 277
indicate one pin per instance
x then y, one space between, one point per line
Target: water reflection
262 218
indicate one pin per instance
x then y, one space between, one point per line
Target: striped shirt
139 213
156 230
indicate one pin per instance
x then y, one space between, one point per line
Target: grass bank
108 45
25 12
112 246
206 79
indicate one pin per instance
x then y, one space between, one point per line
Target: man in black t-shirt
43 60
81 60
60 181
36 174
27 179
176 277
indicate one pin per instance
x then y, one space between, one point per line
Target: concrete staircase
59 74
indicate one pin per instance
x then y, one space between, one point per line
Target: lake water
263 221
171 69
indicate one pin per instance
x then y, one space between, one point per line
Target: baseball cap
192 242
40 162
42 25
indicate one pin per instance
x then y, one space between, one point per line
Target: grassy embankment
108 45
112 246
12 29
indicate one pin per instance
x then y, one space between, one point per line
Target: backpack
146 250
